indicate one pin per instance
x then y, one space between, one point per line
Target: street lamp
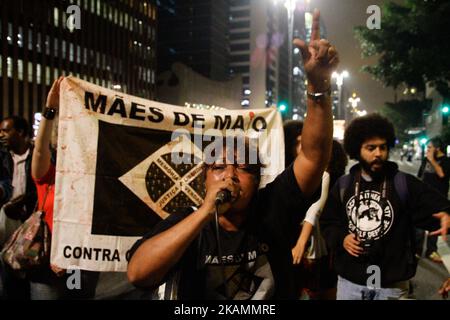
340 82
361 113
290 6
354 100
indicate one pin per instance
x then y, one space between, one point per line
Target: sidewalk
431 275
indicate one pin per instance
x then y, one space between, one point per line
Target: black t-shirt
429 175
385 224
257 260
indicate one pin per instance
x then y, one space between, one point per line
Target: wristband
49 113
319 95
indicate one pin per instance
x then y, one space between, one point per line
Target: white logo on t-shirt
374 217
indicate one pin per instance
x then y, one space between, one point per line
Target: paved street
430 275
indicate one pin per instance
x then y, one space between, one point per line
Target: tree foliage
413 45
404 114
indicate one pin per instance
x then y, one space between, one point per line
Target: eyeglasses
240 168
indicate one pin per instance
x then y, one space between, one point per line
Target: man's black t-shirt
256 261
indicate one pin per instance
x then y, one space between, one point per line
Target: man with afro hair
370 216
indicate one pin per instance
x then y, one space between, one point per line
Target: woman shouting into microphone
236 244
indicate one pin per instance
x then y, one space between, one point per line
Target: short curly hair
363 128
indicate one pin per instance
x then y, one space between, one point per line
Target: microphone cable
219 251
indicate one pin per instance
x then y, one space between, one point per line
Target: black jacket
5 180
387 225
8 168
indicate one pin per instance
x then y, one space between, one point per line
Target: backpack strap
401 187
344 184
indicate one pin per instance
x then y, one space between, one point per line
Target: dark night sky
340 16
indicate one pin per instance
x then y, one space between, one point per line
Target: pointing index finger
315 29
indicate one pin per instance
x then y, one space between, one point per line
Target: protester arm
426 202
155 257
320 59
41 155
299 249
313 213
445 288
439 170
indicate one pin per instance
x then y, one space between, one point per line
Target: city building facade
109 43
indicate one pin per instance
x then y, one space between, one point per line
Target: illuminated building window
78 54
20 38
63 49
20 69
47 45
38 42
30 39
10 34
9 65
56 17
85 56
38 74
71 53
47 75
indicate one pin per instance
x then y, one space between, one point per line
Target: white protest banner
115 174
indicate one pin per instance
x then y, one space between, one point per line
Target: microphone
223 196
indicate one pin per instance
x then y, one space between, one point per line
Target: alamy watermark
74 19
228 146
374 20
73 281
374 280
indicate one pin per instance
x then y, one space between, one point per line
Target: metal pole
340 101
290 47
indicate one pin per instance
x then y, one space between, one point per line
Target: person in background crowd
16 161
435 171
50 283
370 216
445 288
15 137
5 229
316 276
5 180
